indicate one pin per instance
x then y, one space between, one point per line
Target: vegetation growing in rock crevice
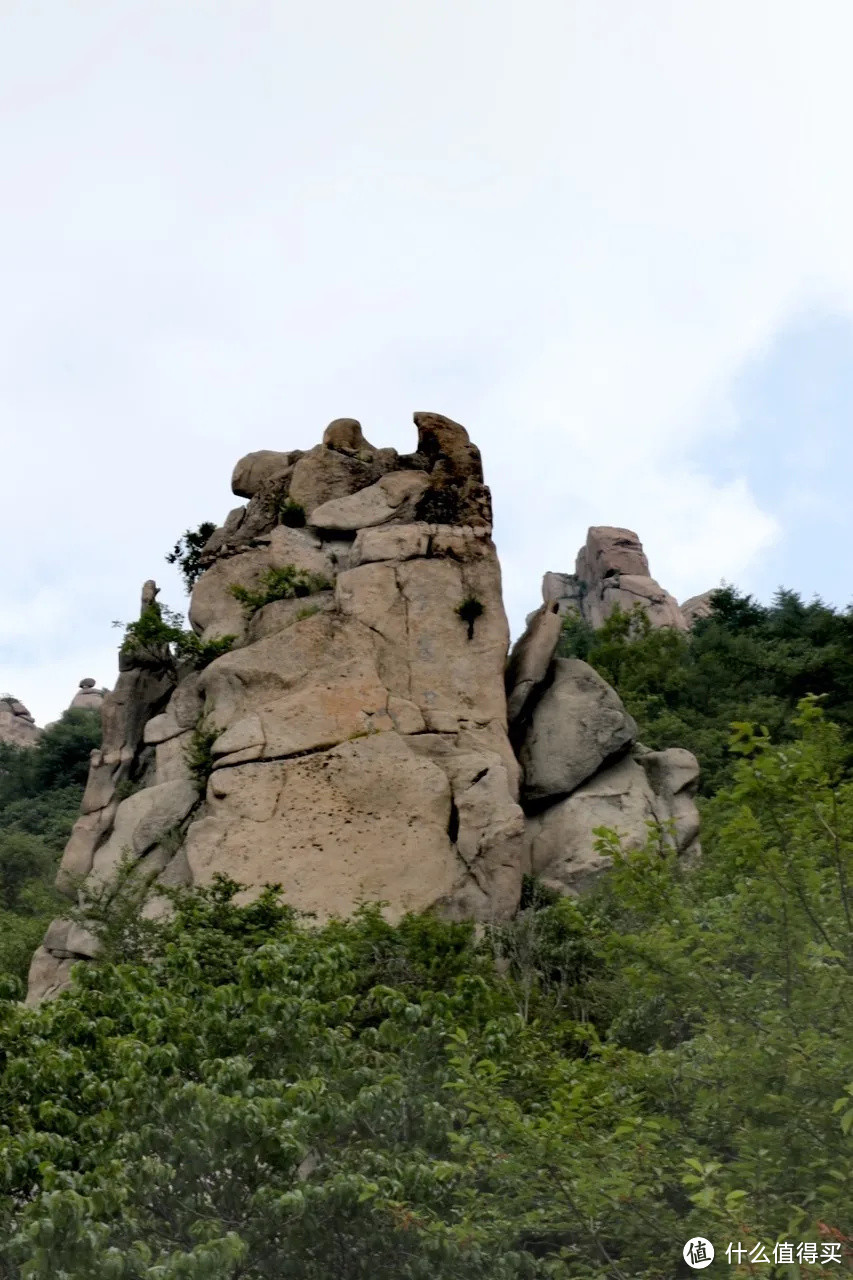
291 513
469 611
199 750
284 583
157 638
188 550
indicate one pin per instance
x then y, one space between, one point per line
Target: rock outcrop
348 725
87 697
697 607
583 768
17 726
612 572
356 728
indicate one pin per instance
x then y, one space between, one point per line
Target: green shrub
199 751
200 653
291 513
286 583
187 553
746 662
158 639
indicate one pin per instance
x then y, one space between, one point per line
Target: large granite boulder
622 797
578 725
698 607
530 660
582 768
87 697
17 726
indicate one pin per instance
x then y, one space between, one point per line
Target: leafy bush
187 553
158 639
40 792
200 653
285 583
291 513
199 751
672 1056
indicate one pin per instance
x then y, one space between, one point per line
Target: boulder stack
611 571
583 768
17 726
87 697
348 726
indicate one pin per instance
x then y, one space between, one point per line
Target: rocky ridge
363 736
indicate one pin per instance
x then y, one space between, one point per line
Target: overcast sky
611 237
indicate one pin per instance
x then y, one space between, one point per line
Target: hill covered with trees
237 1092
40 792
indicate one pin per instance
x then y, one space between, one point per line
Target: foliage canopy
571 1095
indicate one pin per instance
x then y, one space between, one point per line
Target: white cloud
566 225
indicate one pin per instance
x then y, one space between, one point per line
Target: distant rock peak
612 571
17 726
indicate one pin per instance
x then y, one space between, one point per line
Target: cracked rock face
360 746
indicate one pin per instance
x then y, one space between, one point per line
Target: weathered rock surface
697 607
582 767
622 798
531 658
17 726
612 572
214 612
358 735
87 697
578 725
360 743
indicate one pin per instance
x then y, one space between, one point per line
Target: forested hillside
746 663
235 1092
40 792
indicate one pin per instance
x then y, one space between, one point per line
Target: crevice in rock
292 755
453 823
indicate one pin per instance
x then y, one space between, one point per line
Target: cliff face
353 741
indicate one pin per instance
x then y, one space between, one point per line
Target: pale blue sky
611 238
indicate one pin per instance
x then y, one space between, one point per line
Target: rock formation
612 572
357 726
87 697
583 768
346 724
17 726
